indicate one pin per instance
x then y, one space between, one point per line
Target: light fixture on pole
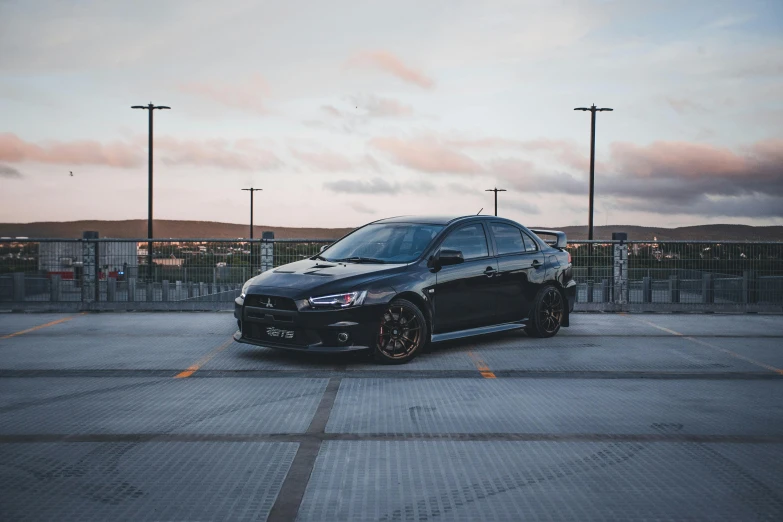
150 107
593 109
496 190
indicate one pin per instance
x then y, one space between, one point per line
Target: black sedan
396 284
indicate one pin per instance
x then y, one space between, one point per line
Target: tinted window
508 239
530 244
386 242
470 240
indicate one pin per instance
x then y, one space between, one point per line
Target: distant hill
210 229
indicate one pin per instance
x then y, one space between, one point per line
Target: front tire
402 333
547 313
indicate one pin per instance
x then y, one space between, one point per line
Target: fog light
342 337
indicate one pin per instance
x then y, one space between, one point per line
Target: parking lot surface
161 416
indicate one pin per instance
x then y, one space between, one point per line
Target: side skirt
483 330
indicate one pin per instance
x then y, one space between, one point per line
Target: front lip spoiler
313 348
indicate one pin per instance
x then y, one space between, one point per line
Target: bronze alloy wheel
551 311
401 331
547 313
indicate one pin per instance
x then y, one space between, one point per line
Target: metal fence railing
666 275
208 273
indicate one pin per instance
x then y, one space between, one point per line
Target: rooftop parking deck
109 416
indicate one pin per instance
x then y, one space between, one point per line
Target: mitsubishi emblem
269 303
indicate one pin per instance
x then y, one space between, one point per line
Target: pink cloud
248 95
239 155
426 155
83 152
678 159
391 64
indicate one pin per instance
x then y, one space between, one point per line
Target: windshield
383 243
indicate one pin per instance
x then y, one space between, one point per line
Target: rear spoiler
560 240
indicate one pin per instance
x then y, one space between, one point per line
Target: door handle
536 263
489 272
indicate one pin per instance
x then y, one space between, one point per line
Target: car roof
436 220
428 220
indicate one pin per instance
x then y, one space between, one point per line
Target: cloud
391 64
377 186
9 172
83 152
238 155
520 205
362 208
383 107
325 161
526 176
248 95
426 155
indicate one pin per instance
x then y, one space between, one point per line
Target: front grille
264 301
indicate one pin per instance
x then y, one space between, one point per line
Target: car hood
308 277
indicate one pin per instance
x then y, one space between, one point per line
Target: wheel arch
420 303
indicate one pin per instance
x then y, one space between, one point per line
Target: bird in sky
71 172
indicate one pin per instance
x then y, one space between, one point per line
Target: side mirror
447 257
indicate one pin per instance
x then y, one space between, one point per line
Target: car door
465 294
521 270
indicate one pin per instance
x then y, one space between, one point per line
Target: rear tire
402 333
547 313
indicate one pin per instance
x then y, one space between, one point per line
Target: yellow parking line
204 360
710 345
481 366
34 328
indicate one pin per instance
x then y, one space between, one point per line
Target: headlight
244 289
339 300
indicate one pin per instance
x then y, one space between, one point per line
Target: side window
508 239
530 244
470 240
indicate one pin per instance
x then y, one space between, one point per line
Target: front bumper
309 330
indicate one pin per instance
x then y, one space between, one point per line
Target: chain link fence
207 274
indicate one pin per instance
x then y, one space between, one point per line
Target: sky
344 112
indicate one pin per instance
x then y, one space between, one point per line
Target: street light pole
496 190
593 109
251 190
149 107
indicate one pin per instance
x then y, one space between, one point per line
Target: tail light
569 257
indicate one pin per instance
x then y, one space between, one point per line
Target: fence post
178 286
131 289
90 267
111 289
674 289
215 292
590 290
150 290
605 290
190 289
18 286
267 250
647 289
620 268
56 288
201 289
707 288
165 290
